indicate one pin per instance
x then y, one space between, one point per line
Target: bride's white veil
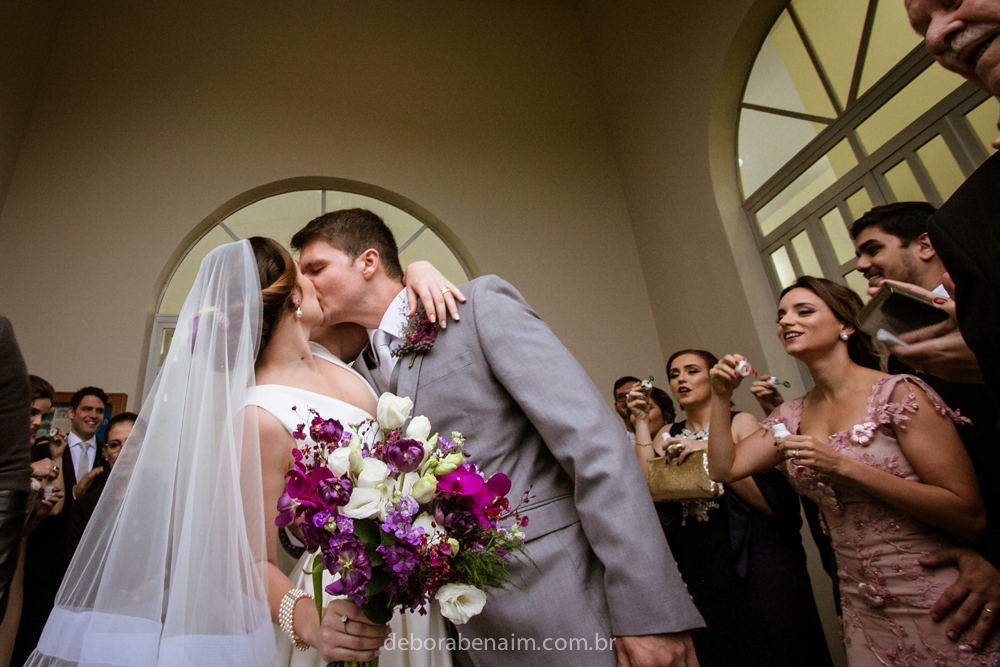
171 569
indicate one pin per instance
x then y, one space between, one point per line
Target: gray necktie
382 341
83 461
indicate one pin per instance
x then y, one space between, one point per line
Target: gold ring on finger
343 619
445 290
795 453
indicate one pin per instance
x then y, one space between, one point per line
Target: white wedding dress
418 631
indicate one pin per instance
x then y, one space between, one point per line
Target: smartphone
898 311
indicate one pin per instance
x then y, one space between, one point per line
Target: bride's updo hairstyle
276 270
846 305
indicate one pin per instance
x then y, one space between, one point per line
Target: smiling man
892 243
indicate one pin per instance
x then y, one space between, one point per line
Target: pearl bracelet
286 614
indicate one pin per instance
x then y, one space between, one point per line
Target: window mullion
814 58
859 64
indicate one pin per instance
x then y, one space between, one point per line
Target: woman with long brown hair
741 554
881 457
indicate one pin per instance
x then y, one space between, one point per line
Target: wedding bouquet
400 520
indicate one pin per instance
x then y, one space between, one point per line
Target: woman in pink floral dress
880 455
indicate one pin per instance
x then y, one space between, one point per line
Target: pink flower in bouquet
286 511
302 486
491 500
463 481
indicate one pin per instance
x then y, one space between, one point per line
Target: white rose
419 428
366 502
372 474
431 528
339 461
393 411
460 602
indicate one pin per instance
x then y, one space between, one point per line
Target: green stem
317 573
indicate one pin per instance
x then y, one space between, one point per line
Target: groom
502 378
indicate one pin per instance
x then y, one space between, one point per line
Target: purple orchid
286 511
488 502
463 481
404 455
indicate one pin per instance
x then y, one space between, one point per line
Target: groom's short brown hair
353 231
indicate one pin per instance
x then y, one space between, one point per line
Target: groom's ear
369 262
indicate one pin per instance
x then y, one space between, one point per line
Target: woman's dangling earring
844 335
298 311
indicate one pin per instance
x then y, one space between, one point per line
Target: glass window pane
920 95
857 282
834 29
784 77
941 165
904 184
767 142
822 174
984 121
783 266
807 256
859 203
836 231
892 38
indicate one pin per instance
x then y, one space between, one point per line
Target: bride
179 564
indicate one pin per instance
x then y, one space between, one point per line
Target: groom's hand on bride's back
673 650
355 639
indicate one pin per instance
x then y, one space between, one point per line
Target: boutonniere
418 336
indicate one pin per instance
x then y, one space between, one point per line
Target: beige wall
151 115
27 32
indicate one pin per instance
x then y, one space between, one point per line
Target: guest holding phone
881 456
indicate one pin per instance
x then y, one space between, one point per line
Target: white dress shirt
83 457
393 322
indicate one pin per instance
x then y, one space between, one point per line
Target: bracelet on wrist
286 616
644 444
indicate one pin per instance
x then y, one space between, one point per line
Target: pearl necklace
699 435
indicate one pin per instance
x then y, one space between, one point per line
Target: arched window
845 109
279 217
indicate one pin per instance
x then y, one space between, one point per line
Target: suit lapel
405 377
69 471
372 373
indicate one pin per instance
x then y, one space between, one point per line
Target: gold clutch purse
668 482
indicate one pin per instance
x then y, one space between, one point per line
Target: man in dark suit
15 460
90 488
47 556
966 230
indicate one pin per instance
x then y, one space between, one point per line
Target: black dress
747 574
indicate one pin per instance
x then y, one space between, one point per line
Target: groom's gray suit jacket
527 408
